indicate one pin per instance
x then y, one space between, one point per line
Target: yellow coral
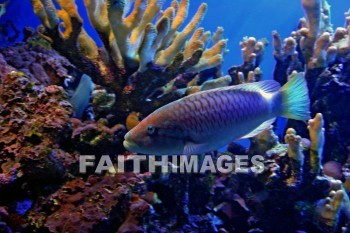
64 16
87 45
340 34
71 8
121 27
181 15
277 44
46 12
216 83
167 55
207 63
97 13
218 48
146 52
39 10
132 40
152 9
290 46
206 38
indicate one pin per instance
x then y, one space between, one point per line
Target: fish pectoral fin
259 129
192 148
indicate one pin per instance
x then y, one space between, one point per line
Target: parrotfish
208 120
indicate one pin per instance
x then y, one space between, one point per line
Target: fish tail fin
295 98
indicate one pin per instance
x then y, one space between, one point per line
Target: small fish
132 120
81 97
208 120
3 8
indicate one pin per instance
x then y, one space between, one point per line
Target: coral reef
34 122
252 54
40 145
155 54
97 204
291 195
62 97
96 138
324 53
37 61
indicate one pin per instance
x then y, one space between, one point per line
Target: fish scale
208 120
219 110
236 107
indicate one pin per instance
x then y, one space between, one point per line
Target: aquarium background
42 189
239 18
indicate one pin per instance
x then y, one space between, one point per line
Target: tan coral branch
168 54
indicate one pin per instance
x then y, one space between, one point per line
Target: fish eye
151 130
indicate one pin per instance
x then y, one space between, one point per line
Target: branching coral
324 53
286 56
317 142
146 61
131 42
252 54
328 210
314 44
296 156
312 10
326 45
294 183
292 194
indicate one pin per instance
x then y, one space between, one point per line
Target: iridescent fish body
208 120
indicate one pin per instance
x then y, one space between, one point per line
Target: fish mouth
130 146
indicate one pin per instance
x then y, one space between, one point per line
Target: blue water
239 18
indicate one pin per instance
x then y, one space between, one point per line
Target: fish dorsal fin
192 148
267 86
259 129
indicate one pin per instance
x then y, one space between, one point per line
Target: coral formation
325 54
154 54
62 97
37 61
34 122
252 54
97 138
291 195
99 203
